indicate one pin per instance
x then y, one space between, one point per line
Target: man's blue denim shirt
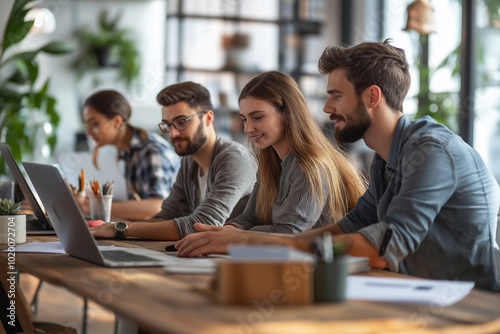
441 201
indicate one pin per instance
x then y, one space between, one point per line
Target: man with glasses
216 175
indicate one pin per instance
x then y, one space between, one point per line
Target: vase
102 54
330 280
12 229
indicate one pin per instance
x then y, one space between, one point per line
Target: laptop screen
65 214
25 185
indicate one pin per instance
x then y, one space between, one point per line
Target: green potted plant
12 224
493 7
108 46
21 94
443 106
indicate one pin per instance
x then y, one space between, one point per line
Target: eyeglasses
179 125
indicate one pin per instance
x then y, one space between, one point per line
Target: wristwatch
120 228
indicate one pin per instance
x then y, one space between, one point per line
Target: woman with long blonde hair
304 181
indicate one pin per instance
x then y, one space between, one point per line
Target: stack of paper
405 290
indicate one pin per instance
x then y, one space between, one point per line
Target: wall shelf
223 47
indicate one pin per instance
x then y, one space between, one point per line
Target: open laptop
39 223
71 226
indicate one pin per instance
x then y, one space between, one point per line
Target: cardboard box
278 282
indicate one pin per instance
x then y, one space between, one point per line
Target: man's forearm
357 245
304 240
332 228
163 230
136 210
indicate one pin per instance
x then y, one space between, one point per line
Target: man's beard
193 146
355 125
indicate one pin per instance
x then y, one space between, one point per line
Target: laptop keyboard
122 256
33 224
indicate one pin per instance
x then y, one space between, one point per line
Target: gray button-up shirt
295 208
441 201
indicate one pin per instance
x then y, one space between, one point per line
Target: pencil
82 181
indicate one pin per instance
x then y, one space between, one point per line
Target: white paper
407 290
47 247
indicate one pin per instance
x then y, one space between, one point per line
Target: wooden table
166 303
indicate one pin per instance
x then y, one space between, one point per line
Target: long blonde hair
316 154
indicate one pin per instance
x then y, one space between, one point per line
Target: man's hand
357 245
106 230
210 240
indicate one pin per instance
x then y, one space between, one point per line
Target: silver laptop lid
27 190
67 219
71 226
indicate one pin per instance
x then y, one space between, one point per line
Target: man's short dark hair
195 95
371 63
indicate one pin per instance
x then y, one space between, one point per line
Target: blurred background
75 47
139 46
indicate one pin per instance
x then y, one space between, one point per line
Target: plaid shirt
150 166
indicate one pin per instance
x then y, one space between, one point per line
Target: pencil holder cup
100 207
330 280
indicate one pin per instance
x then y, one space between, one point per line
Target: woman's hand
210 240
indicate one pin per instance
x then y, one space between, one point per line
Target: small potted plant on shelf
12 224
108 46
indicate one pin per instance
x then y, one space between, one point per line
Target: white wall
145 18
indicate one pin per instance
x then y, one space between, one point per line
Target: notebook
71 227
38 223
355 264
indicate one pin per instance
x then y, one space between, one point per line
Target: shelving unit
224 43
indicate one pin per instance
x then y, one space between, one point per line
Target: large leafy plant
108 46
443 106
21 94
